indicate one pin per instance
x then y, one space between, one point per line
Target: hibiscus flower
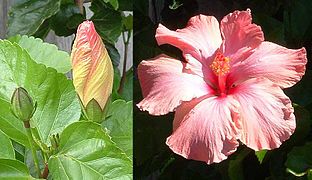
228 89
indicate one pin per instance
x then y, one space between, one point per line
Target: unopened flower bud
92 67
22 105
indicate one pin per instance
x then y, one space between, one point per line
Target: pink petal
165 85
285 67
238 32
201 69
204 129
267 117
201 38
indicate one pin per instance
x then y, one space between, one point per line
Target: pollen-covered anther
220 65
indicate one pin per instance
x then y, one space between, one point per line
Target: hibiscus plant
231 89
61 115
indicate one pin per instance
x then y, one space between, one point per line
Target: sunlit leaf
119 124
260 155
13 170
87 152
6 148
58 105
44 53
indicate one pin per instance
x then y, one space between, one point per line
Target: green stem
32 148
44 155
124 70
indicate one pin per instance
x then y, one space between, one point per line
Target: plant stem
32 148
45 171
124 70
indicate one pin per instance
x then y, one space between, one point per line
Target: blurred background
285 22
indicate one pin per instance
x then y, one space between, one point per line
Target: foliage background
285 22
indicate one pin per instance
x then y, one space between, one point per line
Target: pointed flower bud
92 68
22 105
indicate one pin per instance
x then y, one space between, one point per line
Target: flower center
221 66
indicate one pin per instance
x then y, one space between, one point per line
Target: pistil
221 66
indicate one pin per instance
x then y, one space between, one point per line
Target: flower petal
205 130
285 67
165 85
267 117
92 68
238 32
201 38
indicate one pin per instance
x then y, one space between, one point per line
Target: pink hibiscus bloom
229 88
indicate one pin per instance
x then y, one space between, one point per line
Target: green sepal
94 112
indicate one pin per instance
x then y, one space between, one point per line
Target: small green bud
22 105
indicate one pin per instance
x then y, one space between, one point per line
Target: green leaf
235 166
30 162
113 54
119 124
57 102
127 22
26 16
145 46
309 175
125 5
273 28
6 148
116 83
301 92
175 5
66 21
303 125
127 92
13 169
299 160
11 126
44 53
43 30
19 151
297 20
86 152
108 22
114 3
260 155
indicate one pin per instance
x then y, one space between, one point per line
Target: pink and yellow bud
92 68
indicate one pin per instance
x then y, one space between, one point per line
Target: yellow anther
220 65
